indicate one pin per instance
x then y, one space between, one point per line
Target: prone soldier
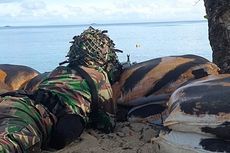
69 99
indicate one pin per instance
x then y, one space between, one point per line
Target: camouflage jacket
74 94
24 125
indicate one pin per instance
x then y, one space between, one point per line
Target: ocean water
43 47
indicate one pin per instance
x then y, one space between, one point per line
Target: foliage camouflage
93 48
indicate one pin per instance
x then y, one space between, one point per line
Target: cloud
9 1
33 5
88 11
161 9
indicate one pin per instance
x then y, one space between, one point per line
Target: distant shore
101 24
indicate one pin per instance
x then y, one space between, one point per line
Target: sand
127 138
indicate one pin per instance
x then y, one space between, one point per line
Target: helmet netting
92 47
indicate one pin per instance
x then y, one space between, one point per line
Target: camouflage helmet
94 48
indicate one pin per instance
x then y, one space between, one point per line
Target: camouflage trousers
24 126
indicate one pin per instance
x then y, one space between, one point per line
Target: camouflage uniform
74 94
27 126
92 51
24 125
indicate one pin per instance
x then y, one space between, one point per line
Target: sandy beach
127 138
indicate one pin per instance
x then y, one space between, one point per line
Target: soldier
69 99
80 93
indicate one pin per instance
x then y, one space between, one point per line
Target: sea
44 47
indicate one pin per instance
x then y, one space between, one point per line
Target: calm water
44 47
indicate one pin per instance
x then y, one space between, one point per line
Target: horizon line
102 24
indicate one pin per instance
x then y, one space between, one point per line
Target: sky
65 12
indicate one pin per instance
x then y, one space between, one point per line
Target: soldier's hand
103 122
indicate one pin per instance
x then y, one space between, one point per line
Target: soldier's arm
104 118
